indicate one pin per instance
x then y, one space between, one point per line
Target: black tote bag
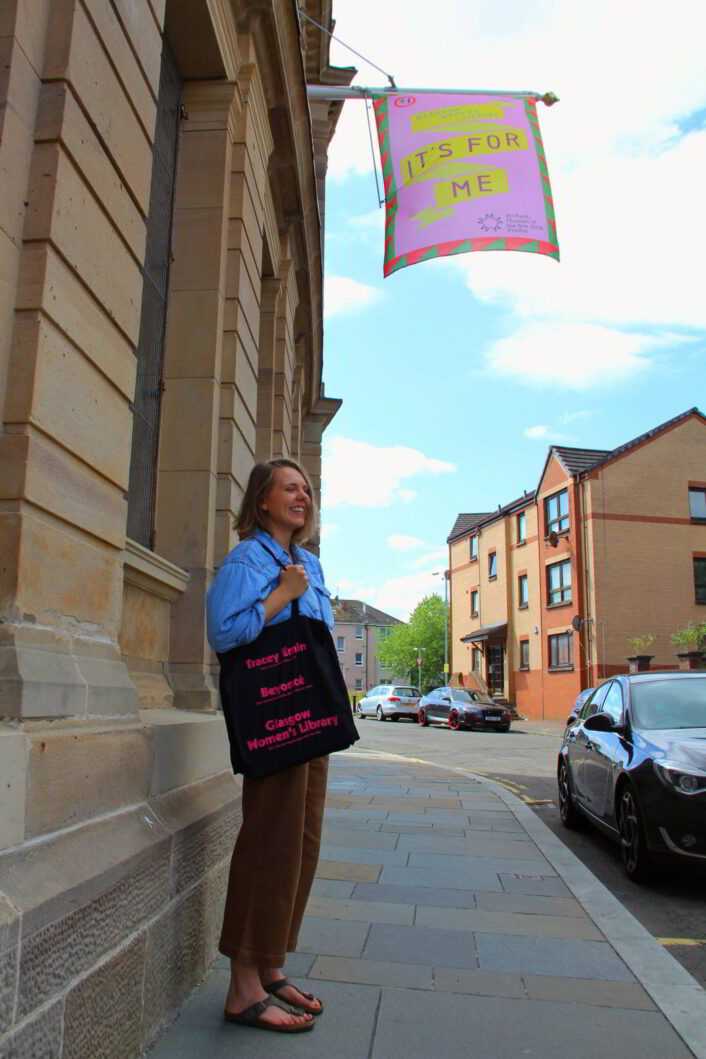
284 698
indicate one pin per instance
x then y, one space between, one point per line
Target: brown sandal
252 1017
274 988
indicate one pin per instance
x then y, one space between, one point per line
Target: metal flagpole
354 92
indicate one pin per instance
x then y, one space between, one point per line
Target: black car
634 764
462 709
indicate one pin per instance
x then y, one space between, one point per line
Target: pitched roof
355 612
577 460
647 436
466 522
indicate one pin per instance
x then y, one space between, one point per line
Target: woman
277 849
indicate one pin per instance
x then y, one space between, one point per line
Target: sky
458 374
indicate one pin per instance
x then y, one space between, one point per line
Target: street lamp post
420 660
445 575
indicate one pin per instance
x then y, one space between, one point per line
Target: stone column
284 362
313 425
64 453
193 367
271 293
242 326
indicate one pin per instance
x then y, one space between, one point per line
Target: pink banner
462 172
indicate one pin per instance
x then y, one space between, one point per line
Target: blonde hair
261 480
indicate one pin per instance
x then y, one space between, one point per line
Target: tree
397 651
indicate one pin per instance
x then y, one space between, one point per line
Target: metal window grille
155 285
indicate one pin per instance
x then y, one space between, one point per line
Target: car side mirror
570 719
599 722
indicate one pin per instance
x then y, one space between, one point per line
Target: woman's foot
289 993
246 990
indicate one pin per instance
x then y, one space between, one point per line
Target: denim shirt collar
275 547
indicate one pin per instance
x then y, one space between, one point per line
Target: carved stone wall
118 808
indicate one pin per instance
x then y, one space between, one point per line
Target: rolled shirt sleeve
235 610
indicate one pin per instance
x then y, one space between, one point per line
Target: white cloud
434 555
399 542
542 432
571 417
359 474
400 595
343 296
576 356
407 495
329 530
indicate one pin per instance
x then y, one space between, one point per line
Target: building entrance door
496 668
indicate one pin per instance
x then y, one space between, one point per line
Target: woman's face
287 505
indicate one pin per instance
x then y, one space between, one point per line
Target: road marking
537 801
682 941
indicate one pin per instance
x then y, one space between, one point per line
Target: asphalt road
672 906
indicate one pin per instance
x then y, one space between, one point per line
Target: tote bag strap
295 602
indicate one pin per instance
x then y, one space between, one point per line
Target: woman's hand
294 580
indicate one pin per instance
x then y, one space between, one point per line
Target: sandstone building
161 233
616 538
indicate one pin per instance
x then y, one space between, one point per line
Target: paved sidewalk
447 920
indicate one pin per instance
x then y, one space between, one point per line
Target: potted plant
639 660
689 638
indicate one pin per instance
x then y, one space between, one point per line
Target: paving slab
519 923
425 828
552 906
479 844
418 895
461 877
410 1024
556 956
331 937
479 983
373 972
496 862
332 888
400 944
351 838
588 991
361 911
348 871
331 851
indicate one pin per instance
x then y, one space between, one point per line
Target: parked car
462 709
389 702
634 764
580 699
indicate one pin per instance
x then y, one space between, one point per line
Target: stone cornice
152 573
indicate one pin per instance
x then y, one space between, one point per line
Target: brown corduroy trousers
274 863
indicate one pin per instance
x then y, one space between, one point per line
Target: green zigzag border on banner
549 214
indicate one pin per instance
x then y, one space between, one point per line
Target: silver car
389 702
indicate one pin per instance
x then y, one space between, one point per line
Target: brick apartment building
357 632
616 538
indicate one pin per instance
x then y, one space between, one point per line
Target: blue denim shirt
234 605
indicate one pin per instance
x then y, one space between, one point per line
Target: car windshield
460 696
407 693
485 699
679 703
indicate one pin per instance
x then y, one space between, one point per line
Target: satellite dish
553 539
576 622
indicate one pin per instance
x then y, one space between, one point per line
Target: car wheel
504 728
379 714
359 713
454 720
636 858
422 717
570 815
